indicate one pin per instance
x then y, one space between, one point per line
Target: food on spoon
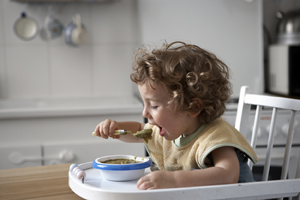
146 134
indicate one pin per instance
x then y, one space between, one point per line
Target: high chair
255 190
279 188
264 189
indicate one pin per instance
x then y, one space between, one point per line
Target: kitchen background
53 95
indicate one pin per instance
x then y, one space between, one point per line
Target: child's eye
153 107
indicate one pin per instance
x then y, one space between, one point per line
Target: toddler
184 89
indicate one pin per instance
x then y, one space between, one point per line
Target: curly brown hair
186 71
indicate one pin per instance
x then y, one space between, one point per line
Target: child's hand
157 180
106 129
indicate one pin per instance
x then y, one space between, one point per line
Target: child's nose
145 112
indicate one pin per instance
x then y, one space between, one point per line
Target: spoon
146 134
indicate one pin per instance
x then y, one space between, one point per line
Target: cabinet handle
18 158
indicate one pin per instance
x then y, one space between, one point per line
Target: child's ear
196 107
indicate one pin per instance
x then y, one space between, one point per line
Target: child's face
172 123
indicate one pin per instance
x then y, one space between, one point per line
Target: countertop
42 182
58 107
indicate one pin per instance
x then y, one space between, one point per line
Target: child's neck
184 135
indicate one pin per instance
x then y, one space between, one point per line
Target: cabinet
60 131
8 153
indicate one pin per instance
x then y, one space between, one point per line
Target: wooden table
42 182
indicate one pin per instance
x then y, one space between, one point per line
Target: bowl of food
121 167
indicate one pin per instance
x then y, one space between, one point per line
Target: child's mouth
161 131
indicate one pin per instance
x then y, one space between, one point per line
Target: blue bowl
122 172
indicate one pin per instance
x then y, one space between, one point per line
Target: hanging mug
26 28
52 28
74 32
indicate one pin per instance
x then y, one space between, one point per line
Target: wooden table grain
42 182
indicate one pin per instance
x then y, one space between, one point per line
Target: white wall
231 29
40 69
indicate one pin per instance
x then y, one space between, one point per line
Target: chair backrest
242 123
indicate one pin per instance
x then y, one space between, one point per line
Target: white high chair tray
94 181
96 187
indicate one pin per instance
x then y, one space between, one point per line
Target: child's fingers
106 129
112 128
96 131
144 183
103 131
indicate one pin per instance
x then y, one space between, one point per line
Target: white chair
255 190
279 188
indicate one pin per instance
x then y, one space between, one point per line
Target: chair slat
270 145
288 146
254 132
243 112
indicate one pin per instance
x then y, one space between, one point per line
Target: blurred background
53 93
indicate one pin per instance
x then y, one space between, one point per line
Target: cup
52 28
26 28
74 32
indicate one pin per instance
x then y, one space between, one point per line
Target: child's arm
106 129
225 171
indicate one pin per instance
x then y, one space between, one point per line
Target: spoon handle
117 132
121 132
